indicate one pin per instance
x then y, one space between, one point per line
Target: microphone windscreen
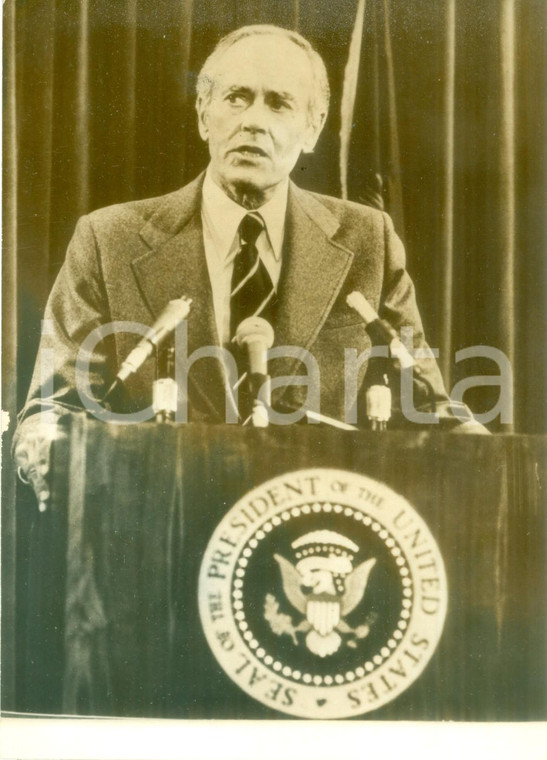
258 336
173 314
255 329
358 302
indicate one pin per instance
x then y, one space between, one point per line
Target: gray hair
319 104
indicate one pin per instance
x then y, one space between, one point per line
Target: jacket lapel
176 266
314 270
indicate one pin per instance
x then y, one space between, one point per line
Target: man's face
258 120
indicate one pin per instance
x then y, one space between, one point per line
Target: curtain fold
349 92
446 171
394 189
530 213
9 352
507 163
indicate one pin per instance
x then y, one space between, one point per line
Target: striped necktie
252 290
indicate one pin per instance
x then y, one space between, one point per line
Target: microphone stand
382 334
164 388
256 335
260 390
171 317
378 395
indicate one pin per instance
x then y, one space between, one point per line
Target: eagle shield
324 586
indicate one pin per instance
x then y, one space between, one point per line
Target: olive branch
280 623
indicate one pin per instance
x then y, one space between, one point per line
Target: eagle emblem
323 586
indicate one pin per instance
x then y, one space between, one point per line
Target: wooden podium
115 572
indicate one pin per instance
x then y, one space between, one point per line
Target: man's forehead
271 61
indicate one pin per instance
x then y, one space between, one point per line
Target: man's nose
255 117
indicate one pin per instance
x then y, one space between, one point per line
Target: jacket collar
174 267
314 268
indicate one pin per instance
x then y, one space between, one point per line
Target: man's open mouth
250 150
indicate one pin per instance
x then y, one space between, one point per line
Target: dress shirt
221 218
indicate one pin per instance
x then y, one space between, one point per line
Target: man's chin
250 178
250 186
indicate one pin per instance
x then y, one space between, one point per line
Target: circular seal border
390 544
399 667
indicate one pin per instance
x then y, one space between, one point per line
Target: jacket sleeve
65 372
398 306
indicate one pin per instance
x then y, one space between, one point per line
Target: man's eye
236 98
278 104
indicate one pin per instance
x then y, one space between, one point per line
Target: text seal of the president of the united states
322 594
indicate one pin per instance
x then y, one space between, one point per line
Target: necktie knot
250 228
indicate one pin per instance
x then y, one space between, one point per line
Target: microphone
164 387
173 314
378 405
257 336
380 331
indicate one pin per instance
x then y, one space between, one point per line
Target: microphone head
255 330
169 319
358 302
175 311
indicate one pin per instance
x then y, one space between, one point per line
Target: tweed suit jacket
125 262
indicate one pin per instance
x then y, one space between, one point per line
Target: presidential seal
322 594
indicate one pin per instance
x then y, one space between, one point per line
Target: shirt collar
223 216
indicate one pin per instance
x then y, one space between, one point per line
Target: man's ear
202 119
314 129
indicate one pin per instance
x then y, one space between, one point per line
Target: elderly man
241 239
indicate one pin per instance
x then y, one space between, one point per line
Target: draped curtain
444 130
438 114
444 126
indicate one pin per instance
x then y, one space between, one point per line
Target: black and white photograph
274 416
